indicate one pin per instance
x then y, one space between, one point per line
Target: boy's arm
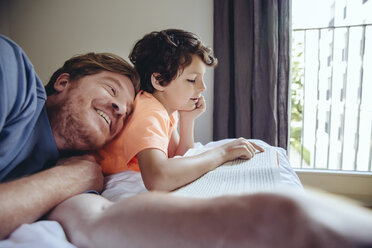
183 141
167 174
173 144
186 136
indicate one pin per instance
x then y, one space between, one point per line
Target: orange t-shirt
149 126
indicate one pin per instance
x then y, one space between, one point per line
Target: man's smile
104 116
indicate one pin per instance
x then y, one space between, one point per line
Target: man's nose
119 109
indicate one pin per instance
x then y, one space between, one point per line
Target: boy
171 65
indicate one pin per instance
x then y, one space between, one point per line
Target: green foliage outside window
297 101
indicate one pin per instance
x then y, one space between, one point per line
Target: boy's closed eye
191 80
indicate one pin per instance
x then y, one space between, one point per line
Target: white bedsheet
41 234
129 183
49 234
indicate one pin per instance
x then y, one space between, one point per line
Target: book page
236 177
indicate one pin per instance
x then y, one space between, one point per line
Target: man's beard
74 128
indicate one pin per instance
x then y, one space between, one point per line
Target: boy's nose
202 86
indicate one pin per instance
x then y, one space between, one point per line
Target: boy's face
184 91
92 110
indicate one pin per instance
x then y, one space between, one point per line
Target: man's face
91 111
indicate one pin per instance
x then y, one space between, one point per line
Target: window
332 15
361 47
338 49
342 93
341 128
328 92
343 54
346 43
345 11
331 22
329 60
339 133
326 125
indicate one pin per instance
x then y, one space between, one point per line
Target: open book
236 177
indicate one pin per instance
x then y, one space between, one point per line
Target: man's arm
27 199
253 220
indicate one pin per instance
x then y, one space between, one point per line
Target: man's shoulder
9 49
22 98
6 42
20 83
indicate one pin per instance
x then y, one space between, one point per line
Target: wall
353 185
51 31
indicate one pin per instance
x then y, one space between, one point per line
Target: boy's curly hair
166 52
93 63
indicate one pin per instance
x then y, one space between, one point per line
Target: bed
49 234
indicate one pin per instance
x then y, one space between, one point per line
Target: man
88 100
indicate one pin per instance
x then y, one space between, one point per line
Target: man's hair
166 52
93 63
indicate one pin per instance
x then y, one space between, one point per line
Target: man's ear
62 82
155 83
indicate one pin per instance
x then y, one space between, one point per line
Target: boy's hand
240 148
200 108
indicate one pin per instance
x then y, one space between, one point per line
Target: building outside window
331 124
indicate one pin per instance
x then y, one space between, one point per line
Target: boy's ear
155 83
61 82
